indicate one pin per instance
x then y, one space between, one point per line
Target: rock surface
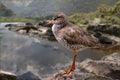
105 28
41 29
106 39
106 34
7 76
28 76
77 76
108 66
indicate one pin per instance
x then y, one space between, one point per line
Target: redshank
71 36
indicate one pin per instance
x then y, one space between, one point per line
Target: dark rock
31 30
104 39
27 27
7 76
29 24
106 34
28 76
105 28
108 66
9 25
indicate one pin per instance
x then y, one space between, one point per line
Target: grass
16 19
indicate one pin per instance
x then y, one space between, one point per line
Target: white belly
55 31
53 28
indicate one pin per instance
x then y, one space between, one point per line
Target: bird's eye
54 18
60 17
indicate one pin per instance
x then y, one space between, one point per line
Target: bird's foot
69 70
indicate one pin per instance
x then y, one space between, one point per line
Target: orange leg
72 68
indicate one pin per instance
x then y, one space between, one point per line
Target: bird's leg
72 68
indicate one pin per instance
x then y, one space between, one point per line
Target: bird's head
59 18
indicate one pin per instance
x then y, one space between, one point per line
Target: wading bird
71 36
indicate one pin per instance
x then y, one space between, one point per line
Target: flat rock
7 76
32 30
76 75
108 66
105 28
28 76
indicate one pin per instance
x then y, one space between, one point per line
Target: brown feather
72 36
76 36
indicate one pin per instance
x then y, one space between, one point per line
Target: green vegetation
16 19
36 8
7 15
107 14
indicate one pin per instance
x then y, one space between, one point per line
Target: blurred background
27 44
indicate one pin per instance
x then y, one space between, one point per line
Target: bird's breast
55 29
56 32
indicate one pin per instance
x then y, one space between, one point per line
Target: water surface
20 53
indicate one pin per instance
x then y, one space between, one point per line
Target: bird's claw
69 70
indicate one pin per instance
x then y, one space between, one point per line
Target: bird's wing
77 36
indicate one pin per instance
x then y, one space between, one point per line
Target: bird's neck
55 28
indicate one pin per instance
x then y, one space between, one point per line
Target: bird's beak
51 21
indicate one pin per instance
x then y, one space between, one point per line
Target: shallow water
20 53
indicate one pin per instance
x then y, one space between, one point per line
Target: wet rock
7 76
97 67
105 28
28 76
105 39
22 31
113 60
32 30
15 27
10 25
77 75
108 66
106 34
21 26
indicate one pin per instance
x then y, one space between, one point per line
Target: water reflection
21 53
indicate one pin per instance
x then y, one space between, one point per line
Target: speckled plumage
72 36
